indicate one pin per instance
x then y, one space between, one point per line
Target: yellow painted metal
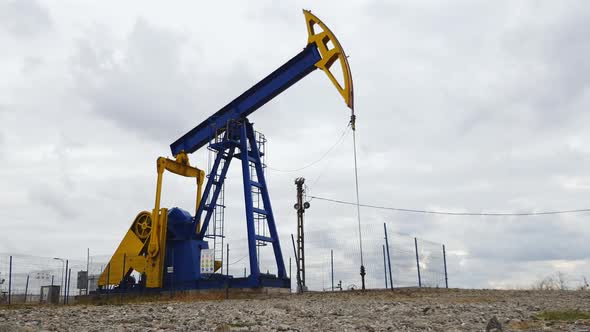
128 250
180 166
144 246
321 35
157 250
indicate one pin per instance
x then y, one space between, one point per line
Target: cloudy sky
463 106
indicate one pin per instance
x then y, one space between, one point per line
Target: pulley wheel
142 226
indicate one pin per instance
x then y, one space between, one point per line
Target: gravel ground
399 310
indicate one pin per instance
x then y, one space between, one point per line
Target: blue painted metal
254 267
186 240
183 251
274 236
224 153
213 281
272 85
241 135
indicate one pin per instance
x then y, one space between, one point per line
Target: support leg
282 273
254 270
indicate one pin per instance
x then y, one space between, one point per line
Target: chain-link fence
332 262
31 279
337 250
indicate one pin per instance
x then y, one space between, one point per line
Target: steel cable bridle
322 157
358 204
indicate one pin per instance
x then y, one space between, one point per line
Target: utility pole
299 288
300 206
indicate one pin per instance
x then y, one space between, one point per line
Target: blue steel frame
240 134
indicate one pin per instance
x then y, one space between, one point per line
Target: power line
316 161
239 260
516 214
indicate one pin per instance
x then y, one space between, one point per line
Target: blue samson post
234 138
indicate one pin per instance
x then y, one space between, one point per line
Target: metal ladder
259 219
239 135
216 231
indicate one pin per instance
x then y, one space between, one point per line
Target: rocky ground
400 310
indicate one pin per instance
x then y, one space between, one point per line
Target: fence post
418 262
10 281
68 288
332 263
66 282
52 281
445 263
384 267
26 288
388 256
227 273
87 269
227 258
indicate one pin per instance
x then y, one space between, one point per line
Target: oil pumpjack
169 247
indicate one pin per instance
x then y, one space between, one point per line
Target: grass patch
566 315
526 325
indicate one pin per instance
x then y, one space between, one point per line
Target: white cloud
24 18
462 107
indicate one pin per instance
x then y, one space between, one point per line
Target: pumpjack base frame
221 282
266 283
